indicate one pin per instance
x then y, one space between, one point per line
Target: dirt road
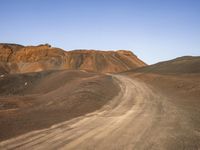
138 118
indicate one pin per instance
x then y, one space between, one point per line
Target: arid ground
149 107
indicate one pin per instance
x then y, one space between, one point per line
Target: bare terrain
137 118
152 107
38 100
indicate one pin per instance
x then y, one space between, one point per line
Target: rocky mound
21 59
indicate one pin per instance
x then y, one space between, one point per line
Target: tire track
137 118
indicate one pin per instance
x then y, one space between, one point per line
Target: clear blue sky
154 30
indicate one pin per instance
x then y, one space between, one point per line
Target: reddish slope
20 59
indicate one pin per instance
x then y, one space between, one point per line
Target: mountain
21 59
185 64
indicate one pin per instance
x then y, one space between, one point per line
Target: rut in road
137 118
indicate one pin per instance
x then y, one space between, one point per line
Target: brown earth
179 81
38 100
22 59
155 107
140 117
179 77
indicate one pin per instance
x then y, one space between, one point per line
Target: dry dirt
38 100
140 117
154 107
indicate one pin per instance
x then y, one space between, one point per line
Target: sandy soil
139 117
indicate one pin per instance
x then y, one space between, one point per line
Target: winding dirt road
138 118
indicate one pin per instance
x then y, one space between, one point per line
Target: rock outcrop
20 59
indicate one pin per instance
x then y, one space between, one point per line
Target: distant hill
185 64
20 59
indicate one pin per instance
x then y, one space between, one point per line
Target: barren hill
20 59
185 64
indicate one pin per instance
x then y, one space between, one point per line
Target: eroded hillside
22 59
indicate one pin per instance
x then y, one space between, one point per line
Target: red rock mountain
20 59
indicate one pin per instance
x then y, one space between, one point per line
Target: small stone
2 75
